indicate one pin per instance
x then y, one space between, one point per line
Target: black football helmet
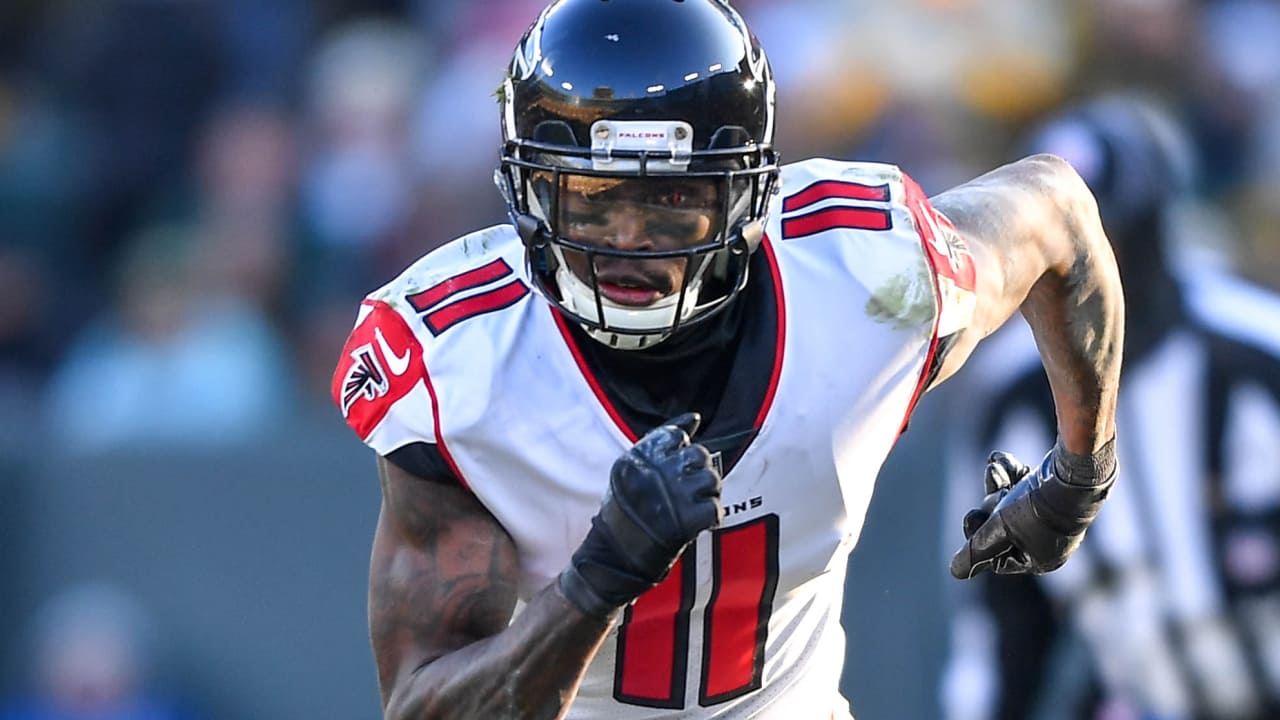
602 93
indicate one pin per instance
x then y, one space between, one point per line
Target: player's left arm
1037 243
1033 230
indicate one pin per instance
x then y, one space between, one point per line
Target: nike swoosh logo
396 364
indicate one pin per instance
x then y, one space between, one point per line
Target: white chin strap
658 317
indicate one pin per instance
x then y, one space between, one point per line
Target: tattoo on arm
442 588
468 558
1077 318
1035 234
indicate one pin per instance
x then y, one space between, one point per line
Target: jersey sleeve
381 383
954 281
953 273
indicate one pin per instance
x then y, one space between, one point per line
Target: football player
626 442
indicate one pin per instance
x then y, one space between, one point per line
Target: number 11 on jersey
653 641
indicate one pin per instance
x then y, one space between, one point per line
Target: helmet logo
671 141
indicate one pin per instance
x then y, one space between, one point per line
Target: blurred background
196 194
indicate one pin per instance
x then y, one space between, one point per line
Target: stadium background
195 194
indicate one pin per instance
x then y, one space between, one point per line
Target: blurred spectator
1137 43
455 124
1171 608
932 86
1235 61
92 659
140 77
175 362
24 356
38 269
358 186
265 43
246 204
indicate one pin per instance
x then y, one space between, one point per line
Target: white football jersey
866 278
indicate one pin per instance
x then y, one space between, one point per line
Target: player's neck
684 372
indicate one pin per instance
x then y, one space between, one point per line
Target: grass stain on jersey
904 301
481 239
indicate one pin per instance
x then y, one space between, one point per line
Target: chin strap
530 230
752 235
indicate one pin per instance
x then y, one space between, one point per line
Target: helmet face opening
640 199
637 240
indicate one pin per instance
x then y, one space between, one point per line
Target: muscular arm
1038 246
442 587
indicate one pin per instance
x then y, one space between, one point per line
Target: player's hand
1032 519
662 492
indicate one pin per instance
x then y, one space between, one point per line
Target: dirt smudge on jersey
477 243
905 301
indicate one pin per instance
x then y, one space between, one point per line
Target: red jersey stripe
434 295
454 313
824 189
836 217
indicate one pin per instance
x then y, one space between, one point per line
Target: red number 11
653 641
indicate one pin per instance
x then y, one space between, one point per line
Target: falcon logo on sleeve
364 379
380 363
955 277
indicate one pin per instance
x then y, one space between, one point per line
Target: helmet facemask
604 225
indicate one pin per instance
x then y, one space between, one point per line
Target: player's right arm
442 587
443 578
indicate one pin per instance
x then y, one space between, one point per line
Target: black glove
662 493
1032 519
